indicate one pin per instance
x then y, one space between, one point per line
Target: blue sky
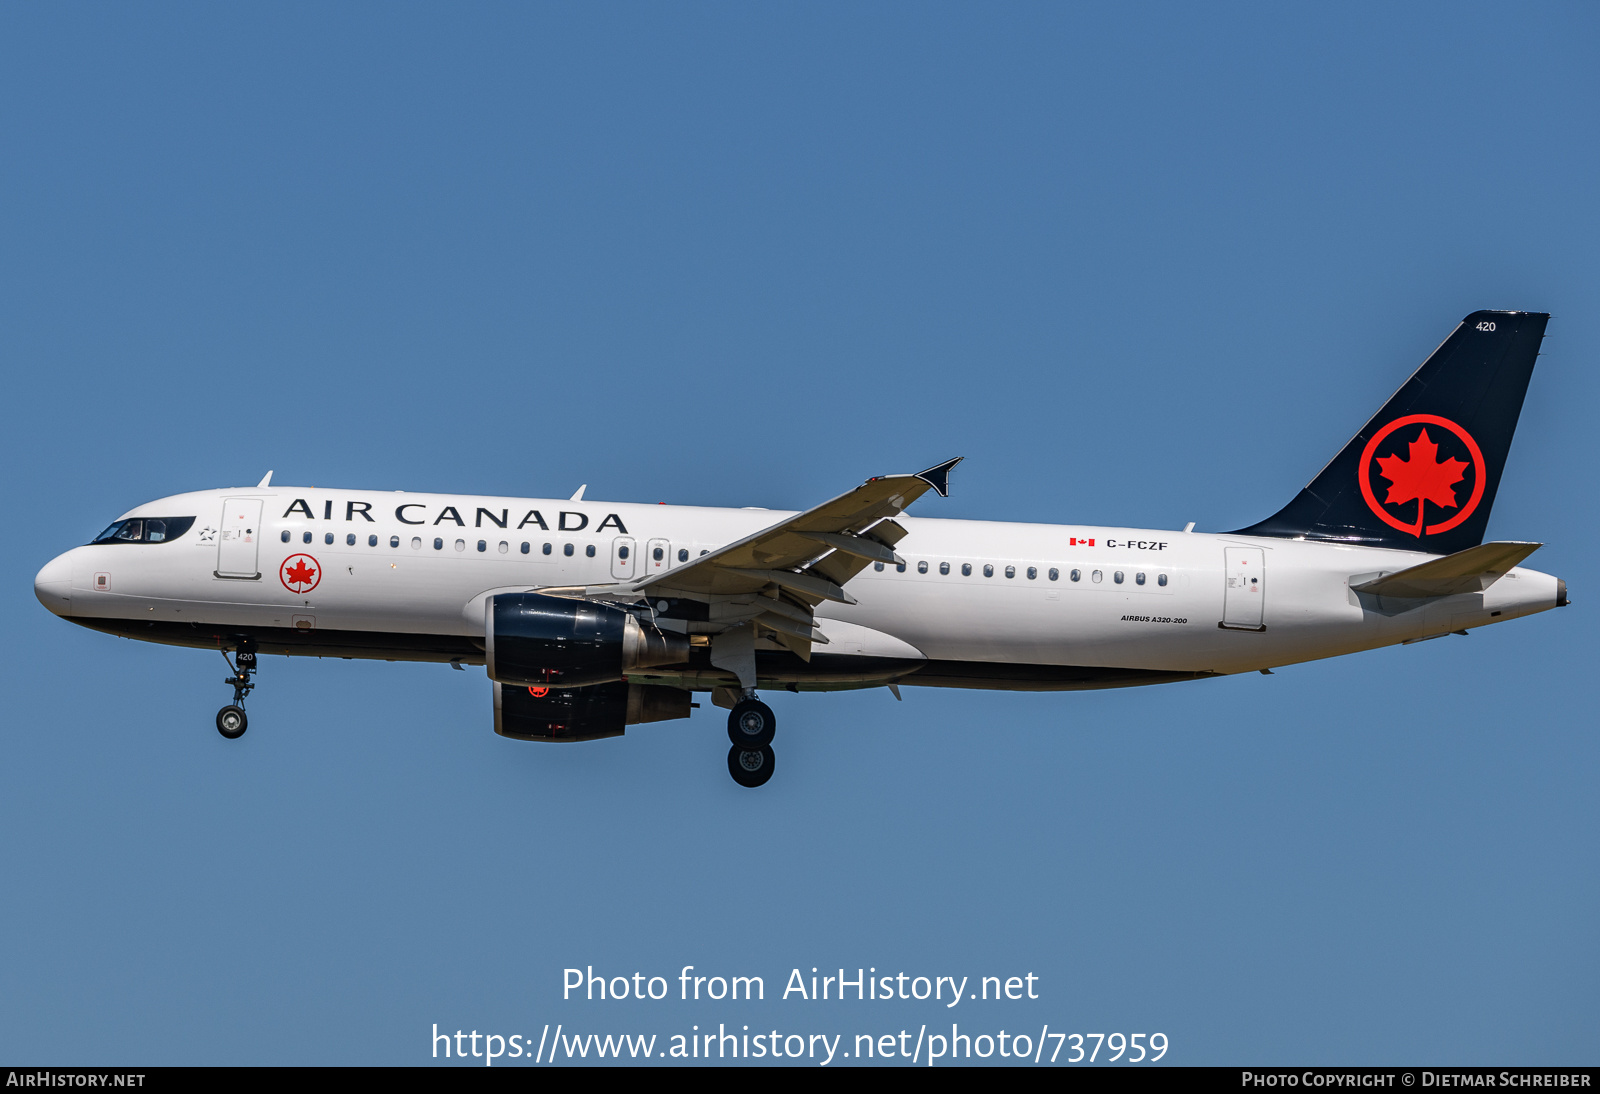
1141 265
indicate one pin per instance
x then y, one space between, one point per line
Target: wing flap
864 547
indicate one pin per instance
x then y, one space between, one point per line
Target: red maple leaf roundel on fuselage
300 573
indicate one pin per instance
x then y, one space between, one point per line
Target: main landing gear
231 720
751 725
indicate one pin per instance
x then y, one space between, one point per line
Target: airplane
590 617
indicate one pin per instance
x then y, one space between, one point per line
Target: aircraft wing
810 557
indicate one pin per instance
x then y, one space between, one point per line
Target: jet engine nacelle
535 640
583 714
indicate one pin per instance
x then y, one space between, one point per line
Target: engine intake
536 640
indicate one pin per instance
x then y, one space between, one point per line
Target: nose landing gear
231 720
751 725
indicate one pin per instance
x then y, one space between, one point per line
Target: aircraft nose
53 585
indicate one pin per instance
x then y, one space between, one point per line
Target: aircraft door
657 557
239 541
1244 570
623 558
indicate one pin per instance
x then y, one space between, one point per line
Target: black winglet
939 477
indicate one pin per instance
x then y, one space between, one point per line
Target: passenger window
416 543
901 568
482 546
988 570
683 554
658 554
966 569
922 567
504 547
1011 571
546 549
372 541
438 543
1055 574
525 546
1096 576
944 567
878 566
1138 579
350 540
394 541
622 552
285 536
1161 579
567 549
1033 572
589 551
1117 577
705 552
1076 575
328 539
306 538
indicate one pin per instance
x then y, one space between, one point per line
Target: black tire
231 722
751 767
751 724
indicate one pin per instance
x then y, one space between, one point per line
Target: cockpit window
124 531
145 530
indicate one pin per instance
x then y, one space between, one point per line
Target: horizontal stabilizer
1469 571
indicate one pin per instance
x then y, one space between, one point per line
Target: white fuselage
407 564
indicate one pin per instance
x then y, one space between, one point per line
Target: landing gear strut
751 725
231 720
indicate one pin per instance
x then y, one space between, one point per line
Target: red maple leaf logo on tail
1422 477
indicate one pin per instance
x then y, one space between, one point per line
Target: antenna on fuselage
579 495
266 481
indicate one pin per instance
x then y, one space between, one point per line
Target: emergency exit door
1246 588
624 557
239 540
657 557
